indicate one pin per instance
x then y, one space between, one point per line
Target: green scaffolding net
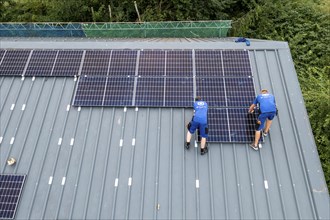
178 29
159 29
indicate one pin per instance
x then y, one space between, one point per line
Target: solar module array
10 191
152 78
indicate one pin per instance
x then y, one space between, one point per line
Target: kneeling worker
267 107
199 121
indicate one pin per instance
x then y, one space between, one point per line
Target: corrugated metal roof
116 163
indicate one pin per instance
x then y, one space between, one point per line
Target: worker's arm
251 109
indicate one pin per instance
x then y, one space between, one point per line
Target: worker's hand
251 110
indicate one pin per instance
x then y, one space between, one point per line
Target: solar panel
2 52
41 63
13 63
211 90
239 91
96 63
218 125
119 91
90 91
150 92
10 192
208 63
179 92
236 63
67 63
242 125
179 63
123 63
152 63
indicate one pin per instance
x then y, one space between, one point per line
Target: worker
199 121
267 106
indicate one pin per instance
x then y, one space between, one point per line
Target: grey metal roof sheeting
130 163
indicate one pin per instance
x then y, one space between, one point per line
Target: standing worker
199 121
267 108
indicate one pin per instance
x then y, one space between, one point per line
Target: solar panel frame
236 63
14 62
41 63
96 63
179 63
68 63
123 63
179 92
11 186
119 91
208 63
90 91
150 92
152 63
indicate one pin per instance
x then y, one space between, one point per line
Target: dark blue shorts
202 128
263 117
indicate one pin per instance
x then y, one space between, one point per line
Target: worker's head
198 98
264 91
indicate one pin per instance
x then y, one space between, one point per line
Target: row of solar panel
231 63
10 191
163 91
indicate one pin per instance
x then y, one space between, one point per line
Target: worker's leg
261 121
191 129
188 137
203 143
268 124
270 117
256 138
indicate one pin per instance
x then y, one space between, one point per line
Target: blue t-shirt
266 102
200 115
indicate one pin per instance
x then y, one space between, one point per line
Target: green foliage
306 28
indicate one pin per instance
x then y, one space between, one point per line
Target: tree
306 28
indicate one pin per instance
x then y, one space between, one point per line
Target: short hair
264 91
198 98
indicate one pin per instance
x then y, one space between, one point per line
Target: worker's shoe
255 147
187 145
204 150
265 134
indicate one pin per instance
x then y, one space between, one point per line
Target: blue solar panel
119 91
2 53
211 90
236 63
96 63
67 63
123 63
239 91
10 192
179 63
90 91
14 62
179 92
150 92
41 63
218 125
242 125
152 63
209 63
